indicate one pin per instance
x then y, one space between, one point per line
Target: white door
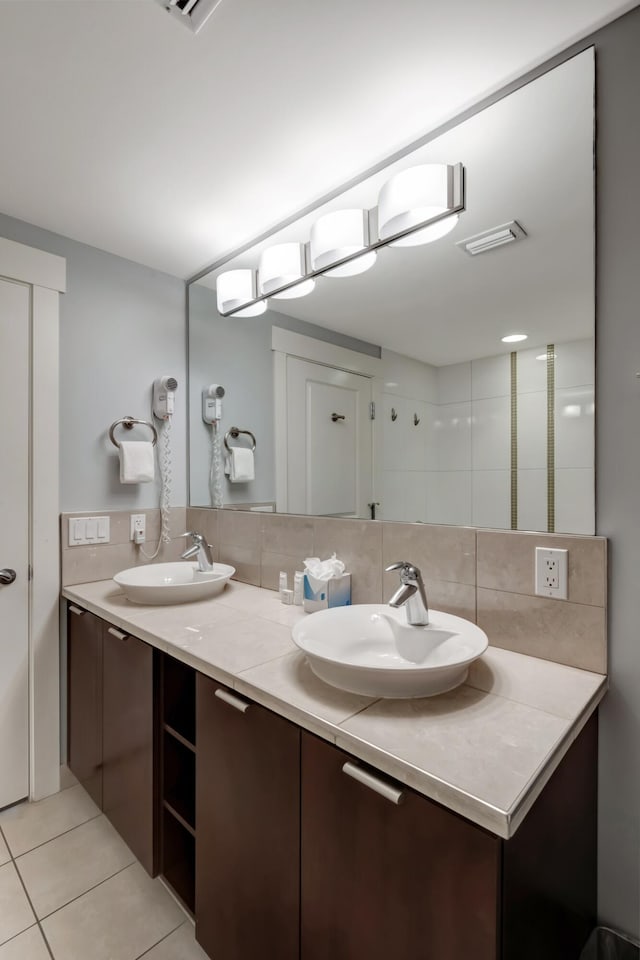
329 440
14 541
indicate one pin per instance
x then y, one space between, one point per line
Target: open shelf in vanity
177 800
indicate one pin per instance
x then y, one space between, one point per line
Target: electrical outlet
551 573
138 528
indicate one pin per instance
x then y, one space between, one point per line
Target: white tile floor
70 888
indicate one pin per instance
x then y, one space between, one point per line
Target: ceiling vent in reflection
490 239
192 13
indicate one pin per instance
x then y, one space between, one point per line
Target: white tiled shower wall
453 466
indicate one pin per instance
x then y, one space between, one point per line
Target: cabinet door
247 829
128 719
84 693
409 881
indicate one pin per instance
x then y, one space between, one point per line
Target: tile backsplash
486 576
100 561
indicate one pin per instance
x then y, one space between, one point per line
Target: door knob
7 576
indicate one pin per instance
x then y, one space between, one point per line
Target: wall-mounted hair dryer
163 397
212 403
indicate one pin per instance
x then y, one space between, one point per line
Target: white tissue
319 571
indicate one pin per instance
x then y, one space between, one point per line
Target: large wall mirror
467 428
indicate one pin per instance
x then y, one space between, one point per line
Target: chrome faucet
410 594
201 549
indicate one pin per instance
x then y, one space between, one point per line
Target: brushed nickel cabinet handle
118 634
233 700
385 789
78 612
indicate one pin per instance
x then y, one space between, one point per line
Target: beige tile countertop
484 750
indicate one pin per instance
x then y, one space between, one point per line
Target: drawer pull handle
232 700
385 789
118 634
78 612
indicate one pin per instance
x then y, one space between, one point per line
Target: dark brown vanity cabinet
127 741
384 879
111 726
84 685
414 881
284 846
248 838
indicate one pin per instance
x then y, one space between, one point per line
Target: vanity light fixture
234 289
416 206
515 337
341 234
547 356
281 266
414 196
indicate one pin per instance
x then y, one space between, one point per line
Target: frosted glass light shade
254 310
413 196
281 264
235 288
428 234
338 235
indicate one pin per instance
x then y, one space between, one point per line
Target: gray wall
236 352
618 461
121 325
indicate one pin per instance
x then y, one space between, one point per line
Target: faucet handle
197 537
408 571
399 565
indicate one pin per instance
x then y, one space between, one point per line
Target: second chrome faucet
201 550
411 593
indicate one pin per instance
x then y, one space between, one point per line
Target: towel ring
128 423
234 433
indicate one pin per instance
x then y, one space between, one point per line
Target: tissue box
329 593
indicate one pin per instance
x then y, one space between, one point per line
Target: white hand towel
240 465
136 461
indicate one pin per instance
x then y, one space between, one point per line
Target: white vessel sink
369 649
178 582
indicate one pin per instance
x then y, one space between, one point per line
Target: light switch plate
552 573
86 530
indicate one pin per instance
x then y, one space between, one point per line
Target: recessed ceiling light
514 338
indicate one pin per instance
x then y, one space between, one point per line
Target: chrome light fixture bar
455 204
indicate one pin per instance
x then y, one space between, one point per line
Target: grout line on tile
282 656
33 910
361 710
61 834
88 890
166 937
535 596
522 703
16 935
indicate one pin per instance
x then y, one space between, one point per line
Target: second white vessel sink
178 582
357 649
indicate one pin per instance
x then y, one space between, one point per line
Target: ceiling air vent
192 13
490 239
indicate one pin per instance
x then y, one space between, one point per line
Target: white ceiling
123 130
